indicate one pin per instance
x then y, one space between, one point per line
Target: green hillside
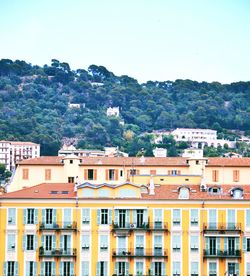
34 106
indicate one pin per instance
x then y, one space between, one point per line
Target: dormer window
237 193
214 190
184 193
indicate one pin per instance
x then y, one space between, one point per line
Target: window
194 268
25 174
103 242
30 242
176 217
212 269
110 174
231 219
237 193
47 174
158 269
12 216
87 192
184 193
215 175
176 268
30 216
194 217
49 216
85 268
11 242
66 268
48 242
158 218
139 268
248 269
122 245
121 173
176 243
212 219
11 268
194 243
121 268
102 269
158 241
71 161
90 174
214 190
126 193
85 242
67 217
31 268
71 179
103 193
104 216
236 175
85 216
247 219
139 245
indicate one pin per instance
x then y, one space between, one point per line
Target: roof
162 192
20 143
45 191
137 161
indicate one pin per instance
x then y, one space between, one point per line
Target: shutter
217 243
61 268
137 172
95 174
54 242
237 243
97 268
36 216
225 244
71 268
61 241
35 242
207 243
237 269
109 216
9 242
27 268
43 215
126 268
43 241
134 216
69 242
24 242
16 269
116 175
85 174
178 172
244 244
107 174
35 268
152 172
169 172
116 216
54 215
116 268
53 268
5 269
152 268
25 216
42 268
163 269
105 268
98 216
145 216
127 217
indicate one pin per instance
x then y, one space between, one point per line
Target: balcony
58 226
221 253
71 252
139 252
222 227
158 226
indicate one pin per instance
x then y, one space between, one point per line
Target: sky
202 40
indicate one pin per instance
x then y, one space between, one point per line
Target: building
160 152
13 151
193 153
108 151
199 138
113 111
159 225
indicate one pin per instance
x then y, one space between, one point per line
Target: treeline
34 106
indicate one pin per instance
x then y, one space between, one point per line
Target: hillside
34 105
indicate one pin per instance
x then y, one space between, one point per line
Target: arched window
237 193
184 193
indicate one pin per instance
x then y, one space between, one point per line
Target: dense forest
34 106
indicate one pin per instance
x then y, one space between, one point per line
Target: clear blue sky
146 39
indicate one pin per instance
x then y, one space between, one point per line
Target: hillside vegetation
34 106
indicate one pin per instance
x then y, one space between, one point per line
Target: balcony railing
71 252
58 226
146 226
221 253
222 227
139 252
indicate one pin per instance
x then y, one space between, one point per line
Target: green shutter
61 268
127 217
145 216
237 269
53 241
35 268
53 268
109 216
5 269
36 216
163 269
237 243
217 243
244 243
71 268
43 241
25 211
16 269
116 268
43 215
126 268
98 269
24 242
61 241
35 242
27 268
134 216
116 216
225 244
207 243
98 216
105 268
42 268
54 216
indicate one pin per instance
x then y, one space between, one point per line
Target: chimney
151 186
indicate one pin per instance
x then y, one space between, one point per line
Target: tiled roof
45 191
162 192
19 143
137 161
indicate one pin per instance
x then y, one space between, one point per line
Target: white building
193 153
160 152
13 151
113 111
199 138
74 105
108 151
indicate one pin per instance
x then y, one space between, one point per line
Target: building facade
13 151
